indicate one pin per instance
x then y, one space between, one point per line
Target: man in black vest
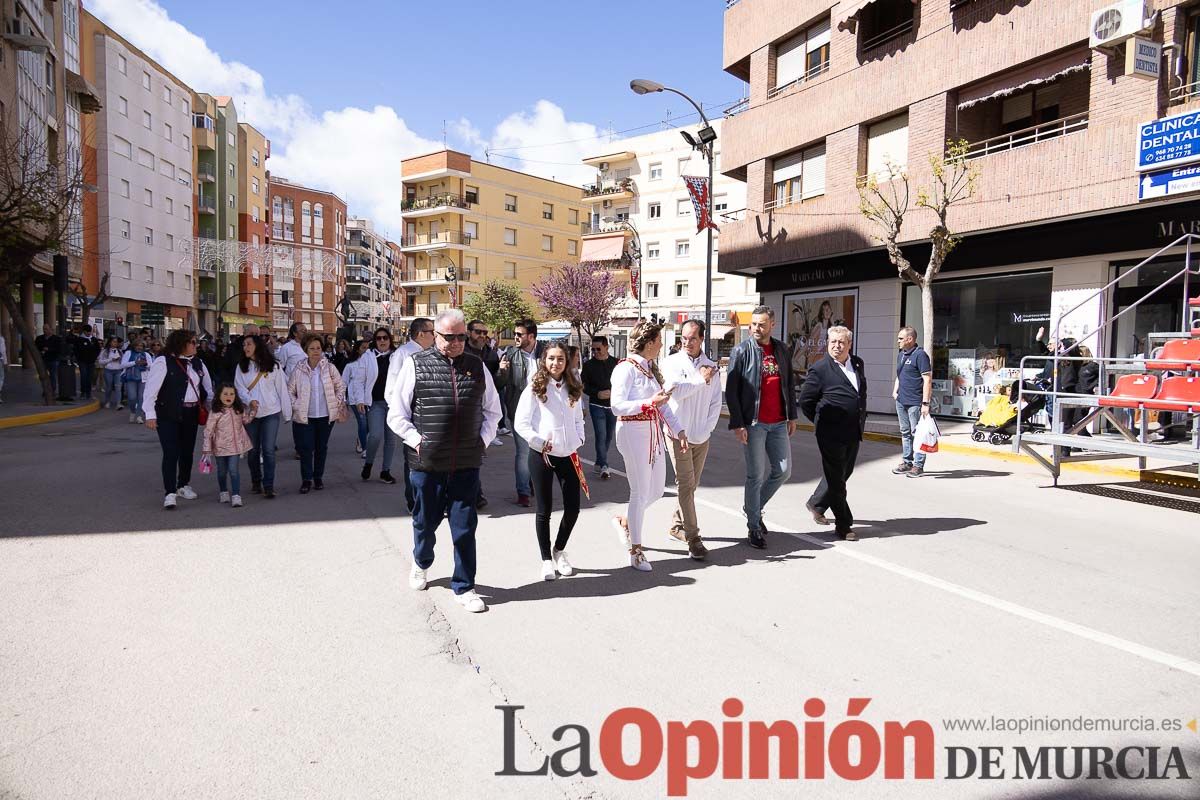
446 411
834 397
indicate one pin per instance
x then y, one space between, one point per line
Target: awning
1026 77
845 16
603 248
89 96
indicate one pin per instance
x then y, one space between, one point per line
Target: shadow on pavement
906 526
956 474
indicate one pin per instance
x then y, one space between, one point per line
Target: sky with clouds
345 97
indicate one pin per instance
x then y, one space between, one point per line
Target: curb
48 416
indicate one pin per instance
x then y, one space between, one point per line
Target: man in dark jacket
446 411
762 414
87 350
597 385
834 397
50 345
517 368
478 346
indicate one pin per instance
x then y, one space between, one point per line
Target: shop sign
1025 319
718 317
1169 182
1143 58
1169 142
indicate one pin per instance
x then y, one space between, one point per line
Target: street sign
1169 182
1169 142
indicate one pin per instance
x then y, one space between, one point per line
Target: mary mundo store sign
1144 228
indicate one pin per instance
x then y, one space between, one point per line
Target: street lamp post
707 136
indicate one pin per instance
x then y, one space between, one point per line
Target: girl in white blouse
639 400
259 378
550 417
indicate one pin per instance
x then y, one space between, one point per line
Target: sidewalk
23 403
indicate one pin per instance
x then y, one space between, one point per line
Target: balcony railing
414 275
206 206
738 107
435 201
815 72
358 276
441 237
616 187
884 37
1027 136
206 174
207 299
1184 93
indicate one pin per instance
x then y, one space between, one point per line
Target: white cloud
354 152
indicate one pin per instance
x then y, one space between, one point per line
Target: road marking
1057 623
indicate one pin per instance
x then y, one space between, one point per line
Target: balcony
433 277
1028 136
1186 93
206 300
434 204
605 229
206 174
358 276
442 240
206 206
609 190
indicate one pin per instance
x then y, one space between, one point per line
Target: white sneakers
236 501
223 497
133 418
169 501
548 571
416 578
186 492
637 560
561 564
622 528
471 601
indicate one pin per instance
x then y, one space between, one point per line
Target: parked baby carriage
1000 418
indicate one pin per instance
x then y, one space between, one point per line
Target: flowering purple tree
580 295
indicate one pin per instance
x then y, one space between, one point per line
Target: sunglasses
383 338
452 337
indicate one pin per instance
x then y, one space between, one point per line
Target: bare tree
885 200
86 303
40 197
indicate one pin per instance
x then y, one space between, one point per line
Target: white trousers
646 482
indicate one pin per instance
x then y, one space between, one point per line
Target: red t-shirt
770 403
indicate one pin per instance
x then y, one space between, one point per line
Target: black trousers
837 464
178 440
542 478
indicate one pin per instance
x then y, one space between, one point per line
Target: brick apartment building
838 88
308 234
254 285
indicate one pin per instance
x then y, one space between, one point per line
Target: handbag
202 409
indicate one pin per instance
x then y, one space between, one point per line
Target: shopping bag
927 435
206 465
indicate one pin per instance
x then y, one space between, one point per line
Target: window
168 132
170 206
547 211
572 247
510 270
319 223
166 94
655 210
183 105
683 208
149 274
803 56
306 222
124 188
472 195
167 169
170 242
510 202
720 203
232 201
254 156
146 158
883 21
471 230
681 289
510 236
147 121
202 121
547 244
185 177
187 282
573 216
149 236
652 290
653 250
799 175
622 214
230 232
187 142
1031 108
230 139
122 65
887 142
656 171
148 198
254 185
682 248
170 278
146 81
124 229
126 269
123 147
231 170
683 165
123 106
187 212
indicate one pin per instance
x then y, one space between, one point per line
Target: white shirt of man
400 411
530 366
848 370
697 404
290 355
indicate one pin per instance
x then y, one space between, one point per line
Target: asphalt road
275 651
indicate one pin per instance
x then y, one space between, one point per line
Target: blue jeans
604 428
360 417
87 376
768 466
312 440
378 431
52 368
112 387
263 432
909 417
435 494
228 470
521 462
133 391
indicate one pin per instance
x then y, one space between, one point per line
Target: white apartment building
372 276
144 162
640 201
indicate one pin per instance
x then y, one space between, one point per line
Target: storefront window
1161 312
982 328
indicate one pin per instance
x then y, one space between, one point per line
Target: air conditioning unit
1114 24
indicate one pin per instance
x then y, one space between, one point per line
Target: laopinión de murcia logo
815 748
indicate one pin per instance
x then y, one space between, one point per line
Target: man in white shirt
291 354
696 401
420 337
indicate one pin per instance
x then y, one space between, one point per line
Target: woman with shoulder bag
260 379
177 393
317 394
136 363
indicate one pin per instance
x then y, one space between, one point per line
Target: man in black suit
834 397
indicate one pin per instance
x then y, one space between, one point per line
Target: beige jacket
225 433
300 388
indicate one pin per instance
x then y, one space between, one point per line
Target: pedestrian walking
316 391
420 338
550 420
444 406
225 439
834 397
518 365
378 363
110 362
49 344
912 392
639 399
291 353
87 352
177 392
597 384
358 392
696 402
260 382
135 363
762 414
341 356
479 346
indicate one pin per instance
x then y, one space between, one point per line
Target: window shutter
789 60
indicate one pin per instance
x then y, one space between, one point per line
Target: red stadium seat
1177 394
1131 391
1187 350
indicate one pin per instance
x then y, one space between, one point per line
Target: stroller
1000 418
